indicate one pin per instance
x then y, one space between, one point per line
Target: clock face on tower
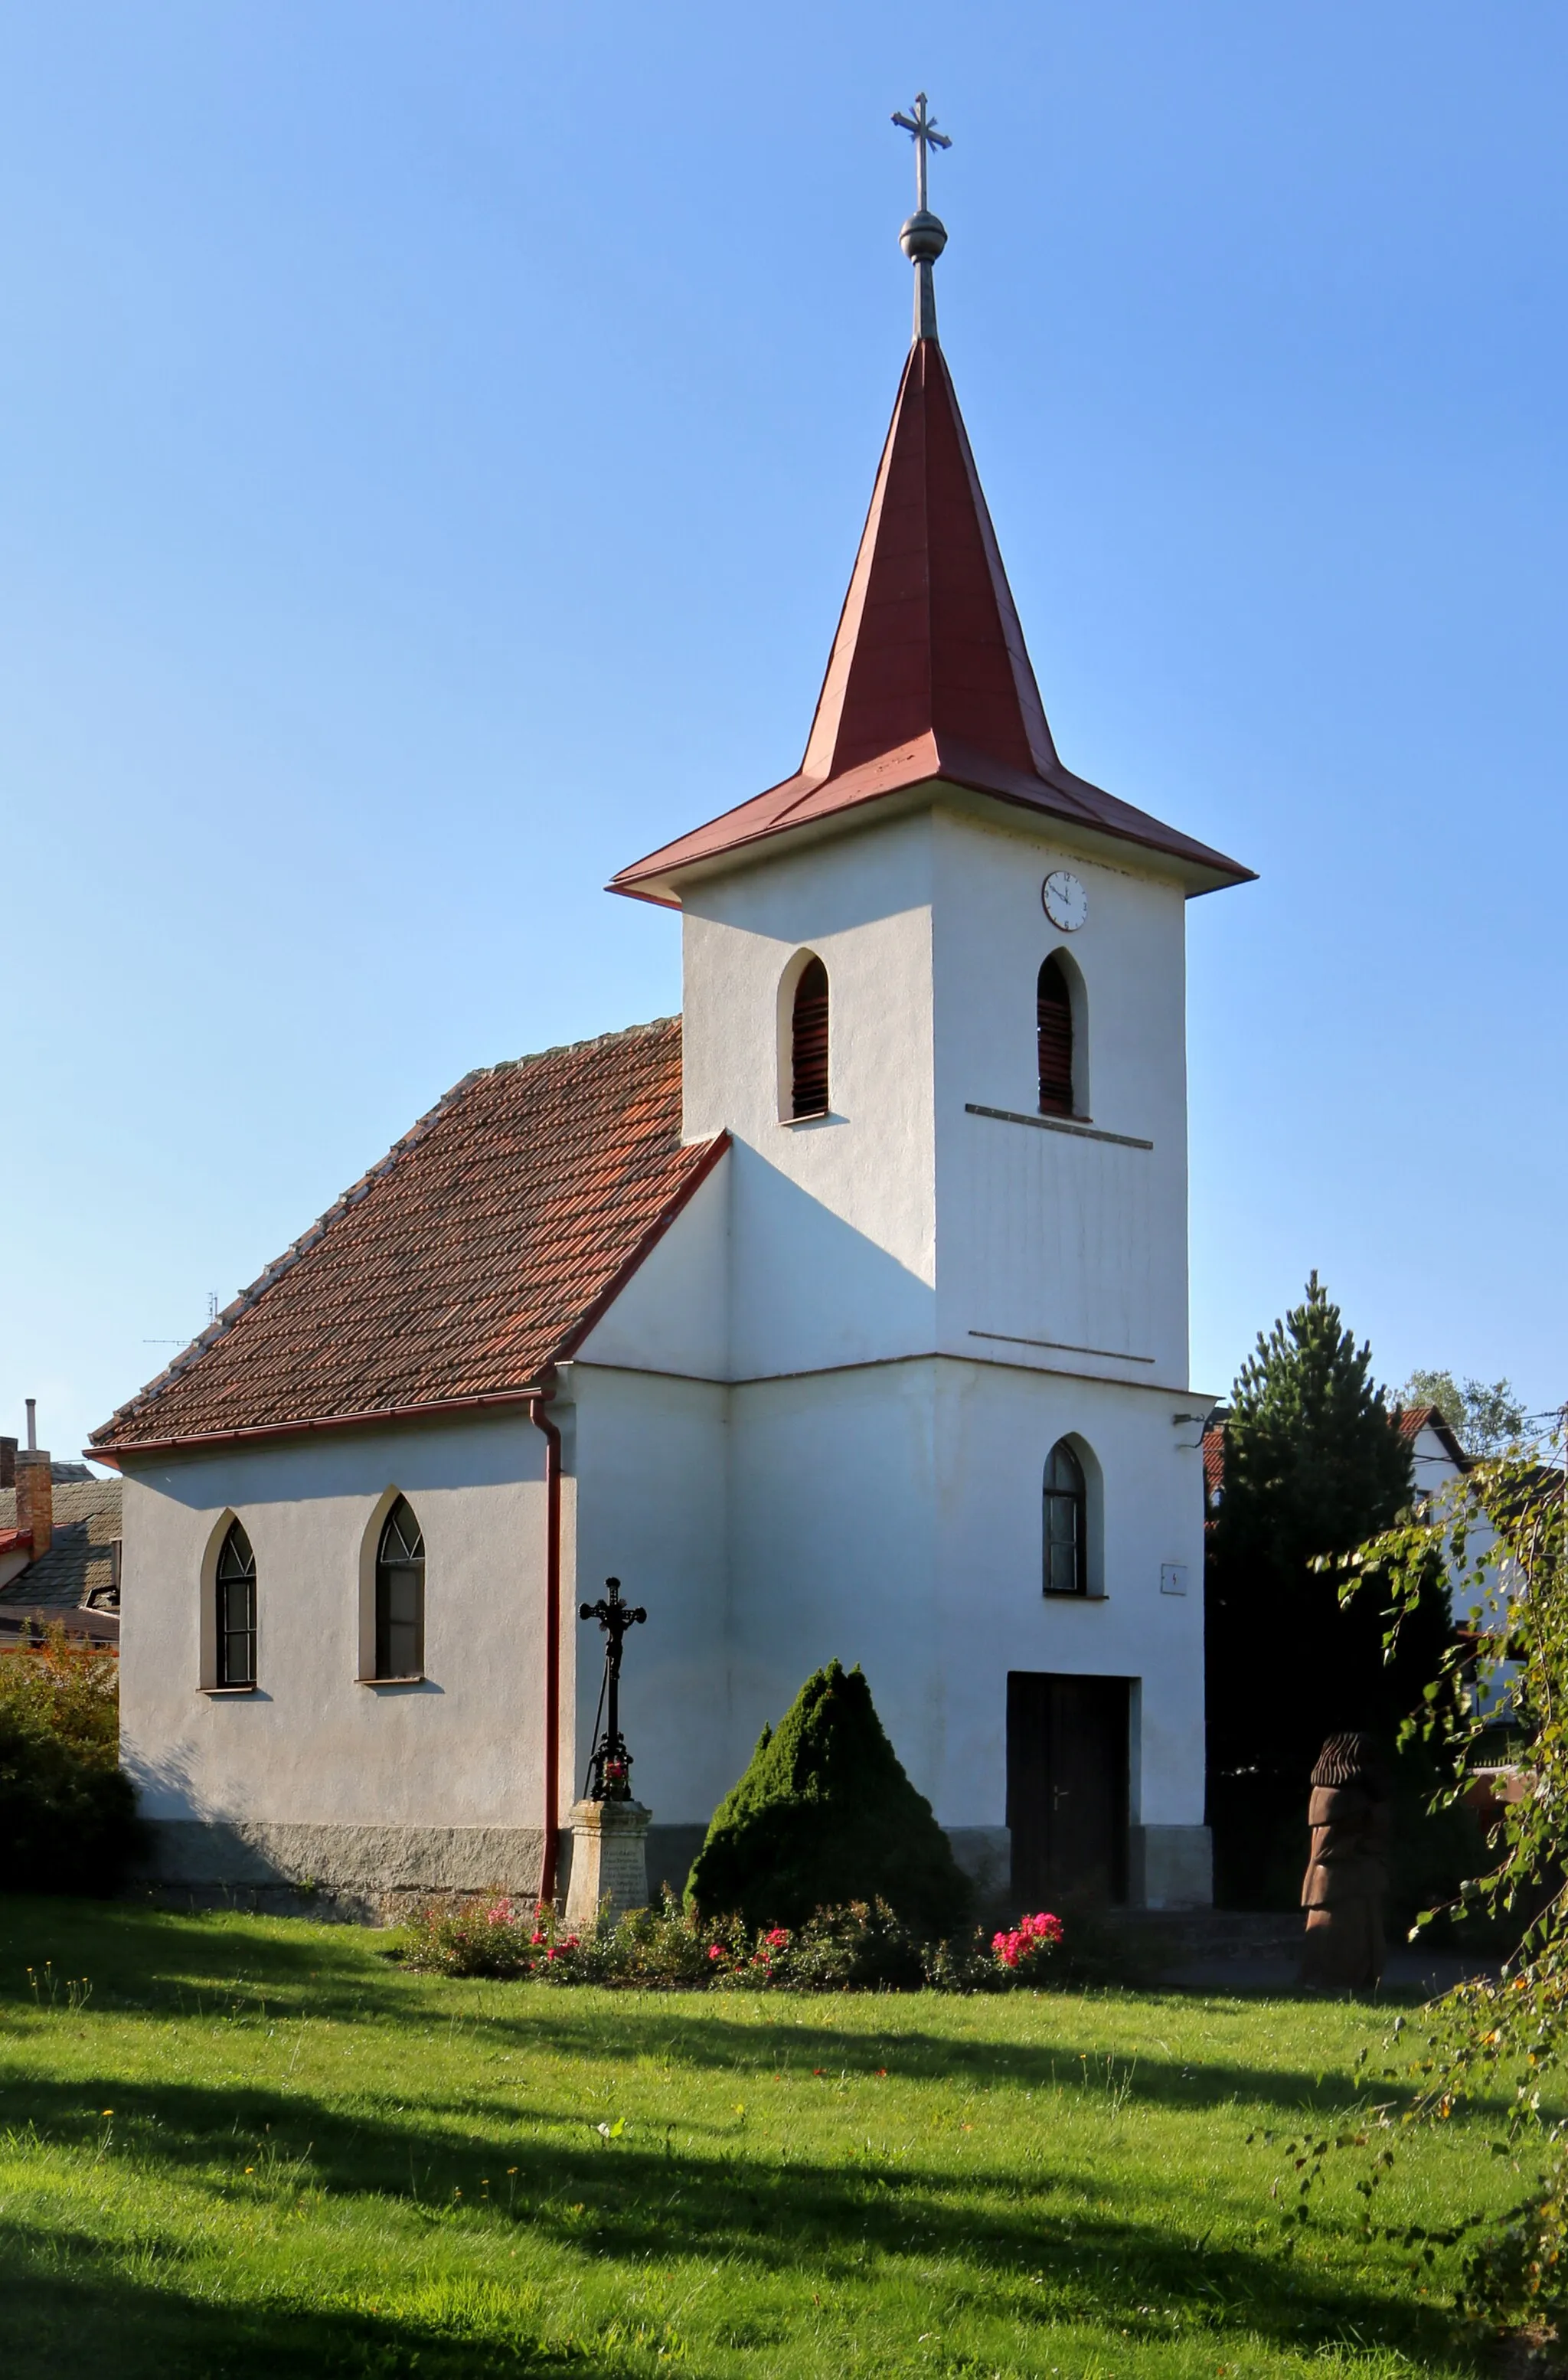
1065 900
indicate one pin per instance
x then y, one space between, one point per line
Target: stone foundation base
365 1873
380 1873
1170 1868
609 1867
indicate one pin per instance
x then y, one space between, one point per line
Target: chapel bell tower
934 990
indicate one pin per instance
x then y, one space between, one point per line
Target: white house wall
363 1789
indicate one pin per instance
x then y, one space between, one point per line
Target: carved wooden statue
1346 1877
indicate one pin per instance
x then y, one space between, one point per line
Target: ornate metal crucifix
609 1766
922 130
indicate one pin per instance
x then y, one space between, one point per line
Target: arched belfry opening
809 1043
1053 1025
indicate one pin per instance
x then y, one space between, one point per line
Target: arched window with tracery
809 1043
1053 1016
235 1591
400 1595
1066 1523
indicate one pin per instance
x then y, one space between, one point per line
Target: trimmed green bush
823 1817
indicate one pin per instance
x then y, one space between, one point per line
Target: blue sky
434 445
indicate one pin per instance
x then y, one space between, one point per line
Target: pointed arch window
1053 1017
236 1590
400 1595
809 1043
1066 1523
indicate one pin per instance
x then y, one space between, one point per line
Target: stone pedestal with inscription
609 1860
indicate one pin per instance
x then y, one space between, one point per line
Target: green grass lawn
260 2147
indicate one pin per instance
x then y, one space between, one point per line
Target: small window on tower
1053 1011
400 1595
1066 1524
809 1043
236 1611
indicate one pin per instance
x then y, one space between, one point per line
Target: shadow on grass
66 2308
704 2039
1028 2246
141 1958
145 1961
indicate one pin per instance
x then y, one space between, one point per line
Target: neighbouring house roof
1213 1461
479 1251
1413 1420
77 1576
1409 1423
929 677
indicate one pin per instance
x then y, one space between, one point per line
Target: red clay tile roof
1213 1461
929 677
1419 1417
466 1262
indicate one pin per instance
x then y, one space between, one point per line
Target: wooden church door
1067 1785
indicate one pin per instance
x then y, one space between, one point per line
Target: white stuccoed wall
1046 1235
451 1767
833 1222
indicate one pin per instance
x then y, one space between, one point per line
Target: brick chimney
35 1487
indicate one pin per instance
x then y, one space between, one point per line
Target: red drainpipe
542 1421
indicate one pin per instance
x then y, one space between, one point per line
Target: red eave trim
635 881
196 1440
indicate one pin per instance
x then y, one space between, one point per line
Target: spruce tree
1313 1465
825 1815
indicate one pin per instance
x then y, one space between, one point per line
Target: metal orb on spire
924 235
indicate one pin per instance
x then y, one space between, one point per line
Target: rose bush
862 1946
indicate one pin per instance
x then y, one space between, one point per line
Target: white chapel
845 1314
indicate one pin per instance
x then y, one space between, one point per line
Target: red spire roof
930 676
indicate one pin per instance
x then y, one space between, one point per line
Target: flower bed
861 1946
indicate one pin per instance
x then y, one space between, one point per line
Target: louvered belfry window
1053 1006
400 1595
237 1609
808 1046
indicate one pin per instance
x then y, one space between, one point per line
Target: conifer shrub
825 1817
67 1813
1315 1465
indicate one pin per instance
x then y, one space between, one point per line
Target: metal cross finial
922 238
922 130
610 1762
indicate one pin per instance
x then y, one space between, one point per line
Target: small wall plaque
1172 1578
